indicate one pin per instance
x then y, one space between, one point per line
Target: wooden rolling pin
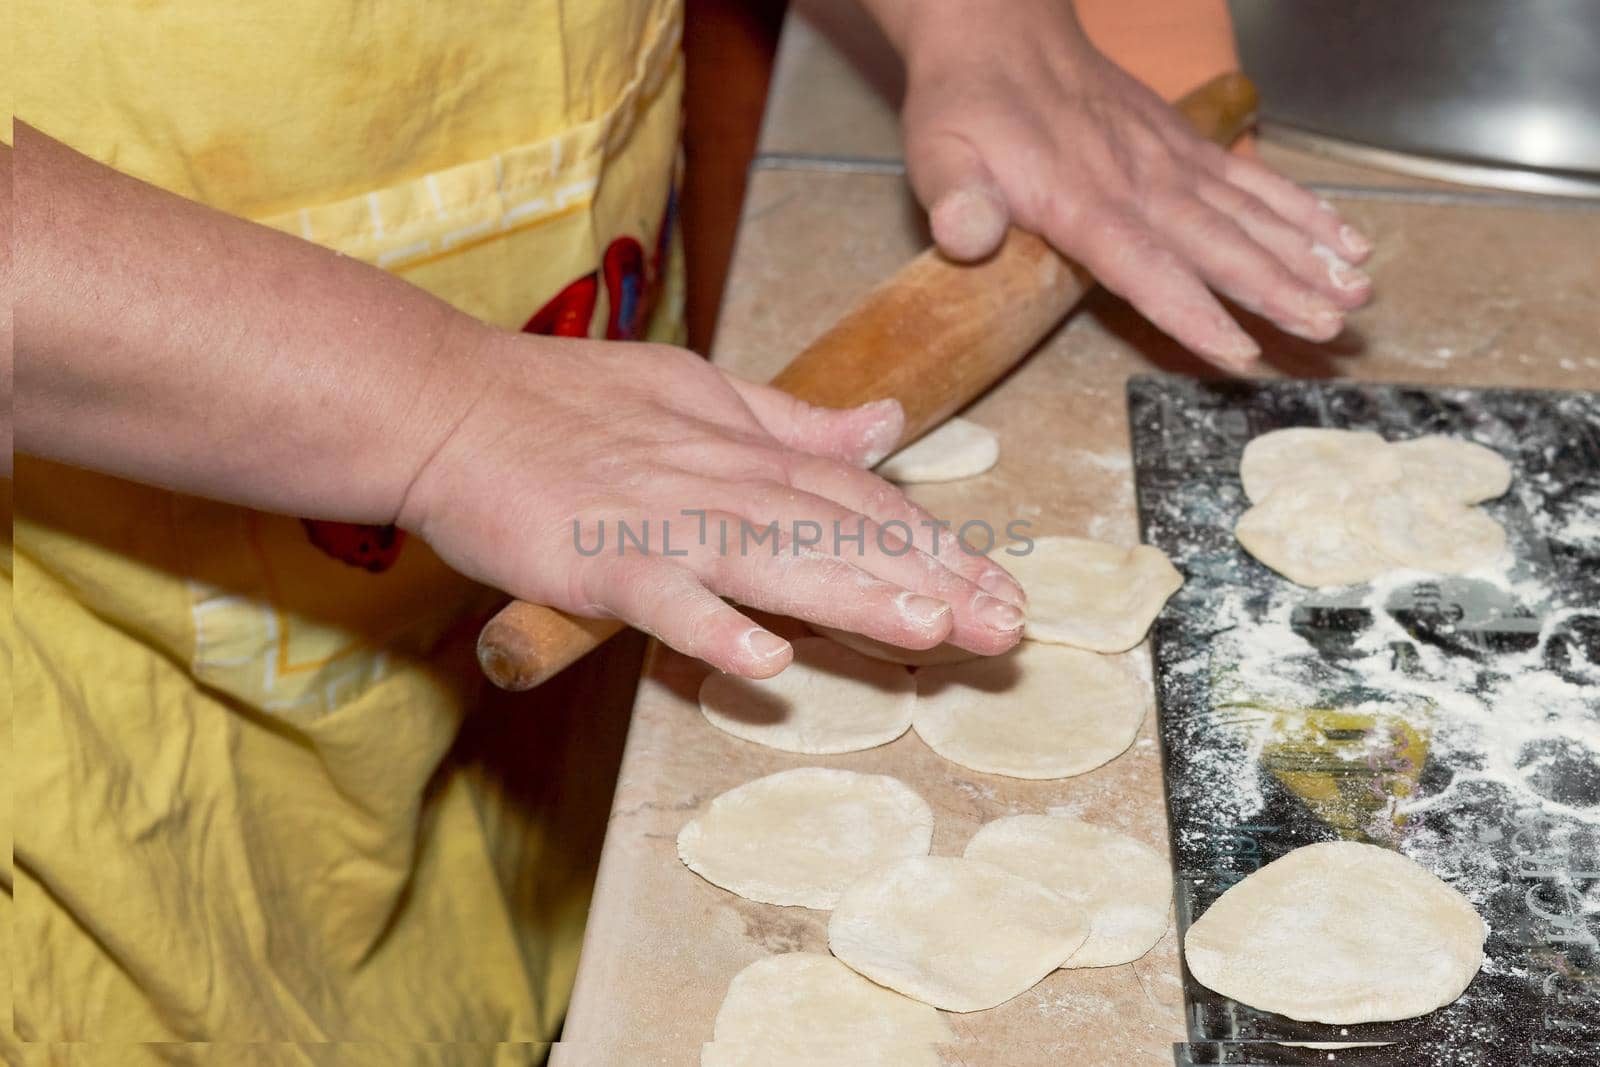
934 337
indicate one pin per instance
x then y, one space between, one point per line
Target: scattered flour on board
1520 723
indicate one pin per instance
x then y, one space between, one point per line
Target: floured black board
1455 719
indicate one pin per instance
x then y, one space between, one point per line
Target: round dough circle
1123 886
800 837
906 657
957 449
1039 711
829 700
955 933
1300 531
791 1008
1415 527
1463 471
1307 453
1089 594
1338 932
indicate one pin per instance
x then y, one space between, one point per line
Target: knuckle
681 358
1150 256
1257 214
883 498
704 623
1118 233
1211 156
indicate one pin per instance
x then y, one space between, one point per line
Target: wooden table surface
1474 289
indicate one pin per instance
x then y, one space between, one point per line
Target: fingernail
1350 278
997 614
1321 323
1354 241
925 611
1341 274
764 646
1239 352
1002 585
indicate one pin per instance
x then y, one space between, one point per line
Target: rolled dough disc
958 449
1418 528
1325 457
1123 886
800 1007
1300 530
1463 471
829 700
907 657
1039 711
1089 594
955 933
800 837
1338 932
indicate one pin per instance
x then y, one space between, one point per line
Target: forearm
168 343
922 29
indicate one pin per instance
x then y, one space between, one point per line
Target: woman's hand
1012 116
562 441
307 383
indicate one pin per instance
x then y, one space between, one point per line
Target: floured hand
563 440
1012 116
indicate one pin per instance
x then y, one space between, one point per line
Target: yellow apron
242 834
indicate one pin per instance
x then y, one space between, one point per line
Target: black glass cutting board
1456 719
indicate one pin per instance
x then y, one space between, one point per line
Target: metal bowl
1491 92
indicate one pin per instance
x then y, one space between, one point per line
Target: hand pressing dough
955 933
800 837
1301 531
1039 711
1465 472
958 449
1338 932
1326 457
907 657
1123 886
1418 528
829 700
805 1008
1089 594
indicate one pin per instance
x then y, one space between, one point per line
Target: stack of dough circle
829 700
1424 530
803 1008
800 837
959 934
1299 531
1327 457
1123 886
1465 472
1338 932
1337 507
1090 594
1039 711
